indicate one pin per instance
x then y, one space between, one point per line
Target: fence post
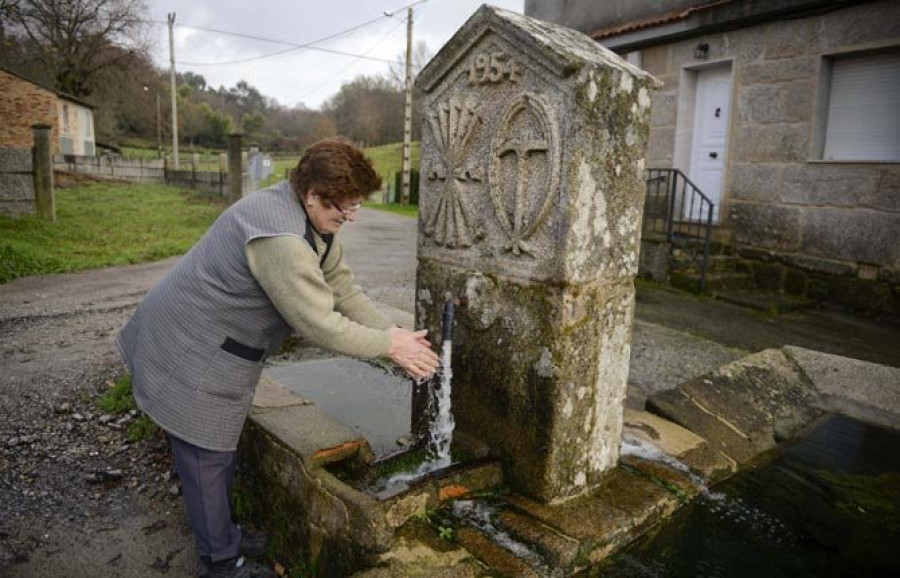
42 165
235 168
195 166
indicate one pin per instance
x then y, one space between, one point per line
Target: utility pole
172 82
158 125
407 110
158 122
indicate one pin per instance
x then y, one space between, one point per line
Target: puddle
826 505
364 397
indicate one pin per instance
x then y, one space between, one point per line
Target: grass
119 399
105 224
396 208
388 159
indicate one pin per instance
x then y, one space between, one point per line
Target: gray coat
196 344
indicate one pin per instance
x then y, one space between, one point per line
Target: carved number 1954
492 68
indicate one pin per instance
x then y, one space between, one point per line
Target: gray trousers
206 481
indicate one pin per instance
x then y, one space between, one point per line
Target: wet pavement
365 397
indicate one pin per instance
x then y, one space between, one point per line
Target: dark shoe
238 567
253 544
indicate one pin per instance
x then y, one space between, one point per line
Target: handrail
676 207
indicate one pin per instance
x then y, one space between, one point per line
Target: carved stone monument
530 207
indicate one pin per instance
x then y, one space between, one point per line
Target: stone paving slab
860 389
745 407
270 394
413 559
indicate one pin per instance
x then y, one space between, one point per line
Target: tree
397 69
195 81
252 123
77 39
368 109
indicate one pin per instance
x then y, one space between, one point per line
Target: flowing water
827 505
440 436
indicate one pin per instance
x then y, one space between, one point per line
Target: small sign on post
260 167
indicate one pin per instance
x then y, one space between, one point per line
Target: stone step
716 264
696 246
559 550
498 559
714 281
766 301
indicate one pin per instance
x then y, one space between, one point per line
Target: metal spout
447 320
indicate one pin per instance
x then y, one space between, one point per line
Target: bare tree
397 69
77 39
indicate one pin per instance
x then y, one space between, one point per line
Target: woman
196 344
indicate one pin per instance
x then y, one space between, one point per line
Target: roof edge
59 93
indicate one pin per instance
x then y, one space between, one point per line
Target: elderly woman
196 345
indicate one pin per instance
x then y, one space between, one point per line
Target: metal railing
676 208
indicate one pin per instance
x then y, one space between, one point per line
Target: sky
299 75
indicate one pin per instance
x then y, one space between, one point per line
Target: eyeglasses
349 211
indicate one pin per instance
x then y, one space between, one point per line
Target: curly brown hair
335 170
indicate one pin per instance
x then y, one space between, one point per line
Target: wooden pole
235 169
42 165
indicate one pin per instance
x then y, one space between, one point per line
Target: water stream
826 505
440 435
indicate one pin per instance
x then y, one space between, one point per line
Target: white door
710 134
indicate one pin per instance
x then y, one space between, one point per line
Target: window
863 114
88 129
65 119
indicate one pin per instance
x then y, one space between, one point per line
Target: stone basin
301 473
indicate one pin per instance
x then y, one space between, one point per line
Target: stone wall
132 170
24 104
16 182
816 220
143 171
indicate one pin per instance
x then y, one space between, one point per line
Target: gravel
69 476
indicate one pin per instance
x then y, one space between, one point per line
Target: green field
104 224
387 160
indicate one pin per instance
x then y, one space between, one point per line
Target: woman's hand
412 351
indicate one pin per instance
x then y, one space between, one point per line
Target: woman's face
327 218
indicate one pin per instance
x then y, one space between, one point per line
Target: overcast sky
299 76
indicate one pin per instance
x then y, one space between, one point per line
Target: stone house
25 103
786 114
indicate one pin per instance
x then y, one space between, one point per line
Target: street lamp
158 125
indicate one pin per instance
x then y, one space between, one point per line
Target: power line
352 63
285 51
293 46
